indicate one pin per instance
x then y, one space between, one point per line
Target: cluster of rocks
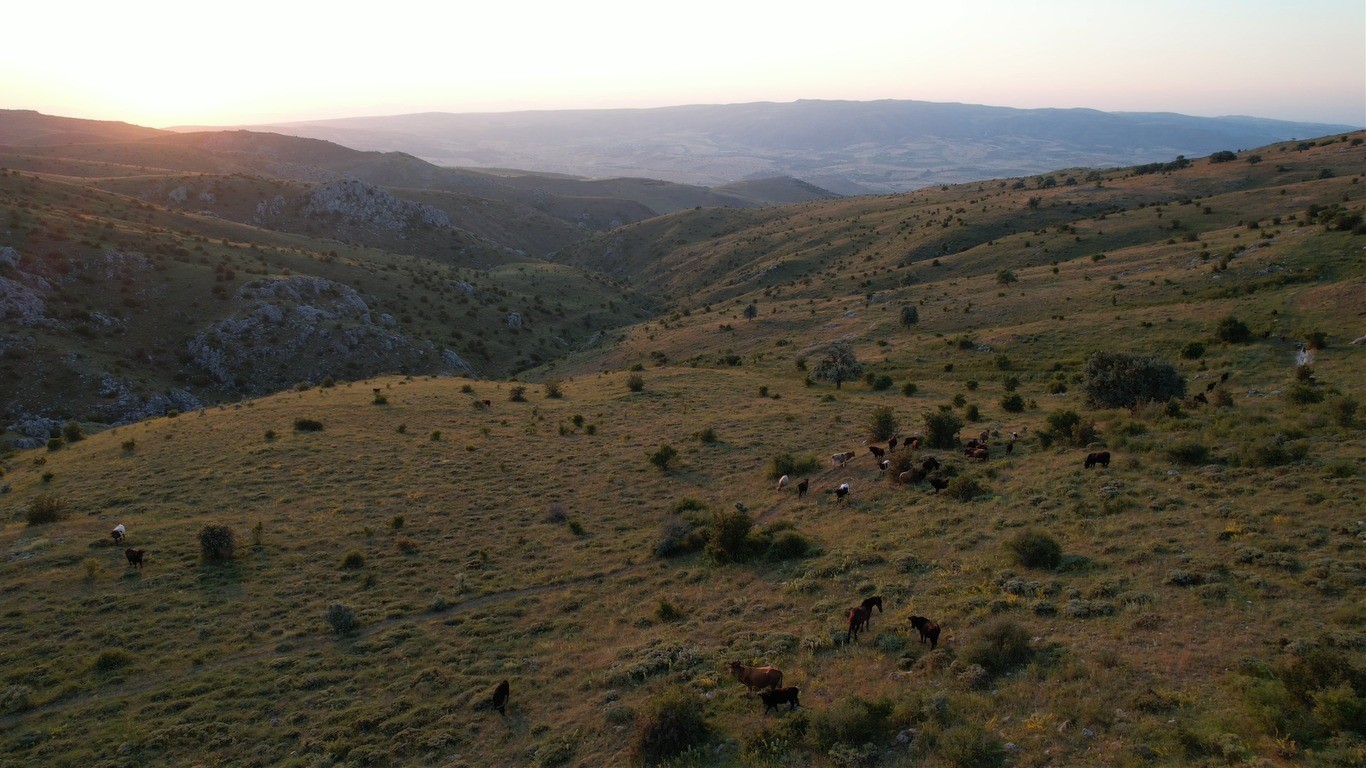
22 291
309 328
369 206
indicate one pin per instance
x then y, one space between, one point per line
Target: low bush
308 425
1013 403
999 647
964 488
969 745
941 429
635 382
729 539
1189 452
554 389
792 466
1119 380
788 545
670 724
1035 549
851 720
342 618
662 457
45 508
353 560
217 543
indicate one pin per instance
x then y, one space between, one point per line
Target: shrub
676 537
54 443
217 542
554 389
729 539
635 382
72 432
851 720
909 389
1232 330
1345 411
112 659
964 488
667 611
353 560
1193 350
45 508
1012 403
671 723
838 365
269 435
883 424
969 745
380 399
972 413
708 435
941 429
787 464
881 383
1303 393
308 425
1035 549
517 394
342 618
663 456
130 445
788 545
999 647
1189 452
1119 380
1070 427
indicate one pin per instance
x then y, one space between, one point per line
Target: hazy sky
185 62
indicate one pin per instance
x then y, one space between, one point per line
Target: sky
163 64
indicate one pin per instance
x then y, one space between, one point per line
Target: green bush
851 720
1035 549
788 545
72 432
45 508
1193 350
670 724
308 425
941 429
662 457
729 539
54 443
517 395
1189 452
909 389
1012 403
792 466
1232 330
964 488
217 543
999 646
342 618
554 389
353 560
969 745
1119 380
883 424
112 659
635 382
677 537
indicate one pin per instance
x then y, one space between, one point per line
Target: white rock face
370 206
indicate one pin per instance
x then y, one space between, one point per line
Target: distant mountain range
846 147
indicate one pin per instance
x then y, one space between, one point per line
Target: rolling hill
606 534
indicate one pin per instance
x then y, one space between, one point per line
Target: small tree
883 424
909 315
1232 330
838 364
635 382
1006 277
729 539
751 311
941 429
217 543
72 432
1119 380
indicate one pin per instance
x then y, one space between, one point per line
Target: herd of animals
976 448
768 680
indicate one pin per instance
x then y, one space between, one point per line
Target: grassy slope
236 663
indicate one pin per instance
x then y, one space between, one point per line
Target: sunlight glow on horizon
260 62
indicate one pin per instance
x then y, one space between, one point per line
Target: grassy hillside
1202 606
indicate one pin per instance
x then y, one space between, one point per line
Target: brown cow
134 557
802 486
1099 457
757 677
500 698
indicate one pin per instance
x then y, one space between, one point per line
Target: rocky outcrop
366 205
306 329
22 291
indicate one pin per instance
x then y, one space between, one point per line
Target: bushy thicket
883 424
792 466
45 509
671 723
1119 380
1035 549
999 647
941 429
217 543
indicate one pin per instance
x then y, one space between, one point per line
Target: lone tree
751 311
909 315
1118 380
838 364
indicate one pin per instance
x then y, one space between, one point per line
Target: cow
118 533
134 557
979 453
780 696
928 630
841 459
1099 457
757 677
876 451
802 487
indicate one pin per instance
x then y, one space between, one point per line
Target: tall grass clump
671 723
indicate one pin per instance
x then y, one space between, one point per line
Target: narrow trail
145 683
